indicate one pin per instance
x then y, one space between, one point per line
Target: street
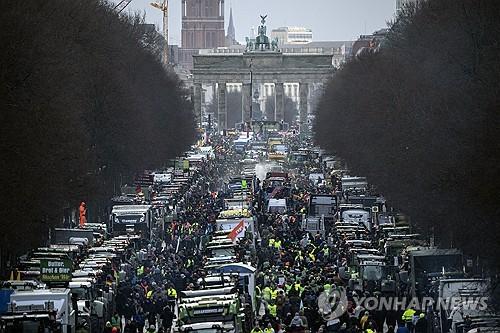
294 244
286 166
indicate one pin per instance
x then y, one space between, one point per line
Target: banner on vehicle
237 230
57 270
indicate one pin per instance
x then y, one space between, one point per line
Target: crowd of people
151 278
295 268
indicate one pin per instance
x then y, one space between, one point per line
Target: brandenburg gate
262 62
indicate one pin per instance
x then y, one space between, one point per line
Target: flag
276 190
236 230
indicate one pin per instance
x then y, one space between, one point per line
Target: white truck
352 183
461 300
91 310
220 307
360 216
132 219
39 310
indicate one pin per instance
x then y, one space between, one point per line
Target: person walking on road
402 328
421 325
256 329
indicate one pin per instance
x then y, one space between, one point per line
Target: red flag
276 190
236 231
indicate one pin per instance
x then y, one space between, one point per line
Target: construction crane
164 8
122 4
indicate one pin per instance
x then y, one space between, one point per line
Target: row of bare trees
84 100
420 118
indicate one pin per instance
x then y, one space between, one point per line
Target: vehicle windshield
436 263
80 293
280 148
275 183
300 158
373 273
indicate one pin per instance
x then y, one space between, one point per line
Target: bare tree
420 119
84 100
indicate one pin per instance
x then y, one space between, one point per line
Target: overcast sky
328 19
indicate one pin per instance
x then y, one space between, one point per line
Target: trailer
468 297
431 264
73 236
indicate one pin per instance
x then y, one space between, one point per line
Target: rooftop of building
325 46
292 29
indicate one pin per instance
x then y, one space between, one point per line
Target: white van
277 206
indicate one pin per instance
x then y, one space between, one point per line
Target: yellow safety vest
271 242
267 293
277 244
273 310
171 292
408 315
299 288
149 294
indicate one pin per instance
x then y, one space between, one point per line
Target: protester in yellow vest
327 287
256 329
274 294
408 315
273 309
189 263
172 293
266 294
269 329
